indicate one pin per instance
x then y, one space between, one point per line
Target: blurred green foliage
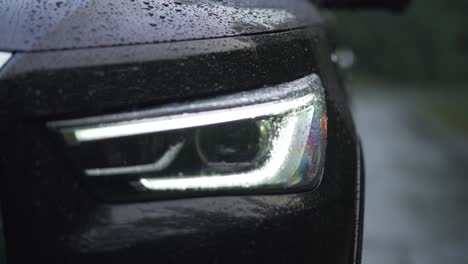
429 43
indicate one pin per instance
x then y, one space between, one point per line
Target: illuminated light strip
161 164
189 120
4 58
278 158
296 103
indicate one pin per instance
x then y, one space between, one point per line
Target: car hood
36 25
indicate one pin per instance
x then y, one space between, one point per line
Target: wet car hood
35 25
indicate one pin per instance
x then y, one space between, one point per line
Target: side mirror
391 5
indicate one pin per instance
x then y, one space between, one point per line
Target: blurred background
409 84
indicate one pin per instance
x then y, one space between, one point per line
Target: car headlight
271 139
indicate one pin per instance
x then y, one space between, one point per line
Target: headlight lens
271 139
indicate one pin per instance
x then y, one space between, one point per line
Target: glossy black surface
65 24
78 83
51 217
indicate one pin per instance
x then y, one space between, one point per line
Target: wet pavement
417 187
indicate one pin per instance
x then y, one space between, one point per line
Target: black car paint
56 25
84 82
51 217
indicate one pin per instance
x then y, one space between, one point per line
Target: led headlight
271 139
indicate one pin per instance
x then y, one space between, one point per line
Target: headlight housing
269 140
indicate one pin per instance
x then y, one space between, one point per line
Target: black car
189 131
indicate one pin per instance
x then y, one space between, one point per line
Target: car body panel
55 25
51 214
54 217
106 80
